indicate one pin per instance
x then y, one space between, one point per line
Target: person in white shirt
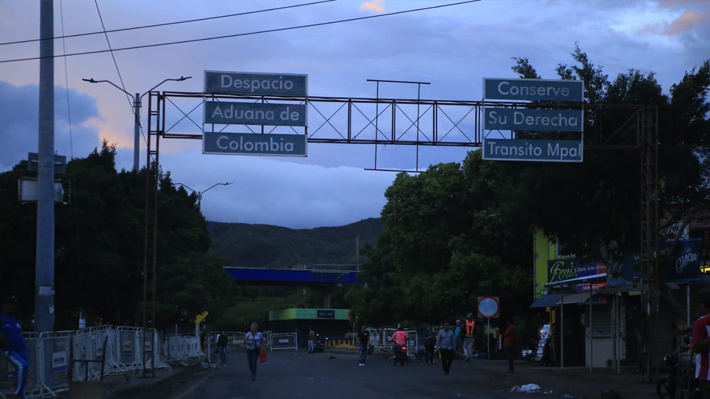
253 342
446 342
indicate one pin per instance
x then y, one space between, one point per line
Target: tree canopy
99 237
460 231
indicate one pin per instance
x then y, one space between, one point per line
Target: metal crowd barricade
91 361
128 355
175 348
178 348
236 338
53 356
194 349
33 387
283 341
155 360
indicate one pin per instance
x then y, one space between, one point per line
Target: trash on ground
530 388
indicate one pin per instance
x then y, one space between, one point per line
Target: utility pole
137 102
44 266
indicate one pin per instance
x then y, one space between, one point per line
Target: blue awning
547 300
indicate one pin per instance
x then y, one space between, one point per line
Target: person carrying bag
254 343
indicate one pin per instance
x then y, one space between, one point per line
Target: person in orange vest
468 339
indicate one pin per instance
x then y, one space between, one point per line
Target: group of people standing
449 340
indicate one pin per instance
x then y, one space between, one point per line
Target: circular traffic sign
488 306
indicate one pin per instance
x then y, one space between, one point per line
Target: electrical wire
66 83
247 33
170 23
113 56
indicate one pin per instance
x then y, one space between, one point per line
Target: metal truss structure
410 122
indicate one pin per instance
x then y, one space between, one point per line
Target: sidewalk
578 382
134 385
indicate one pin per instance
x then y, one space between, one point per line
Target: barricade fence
280 341
60 357
380 340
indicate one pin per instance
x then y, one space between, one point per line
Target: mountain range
267 246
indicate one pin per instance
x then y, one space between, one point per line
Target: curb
155 387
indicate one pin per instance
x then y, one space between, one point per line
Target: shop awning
581 297
547 300
577 280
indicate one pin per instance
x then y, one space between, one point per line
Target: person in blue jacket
13 344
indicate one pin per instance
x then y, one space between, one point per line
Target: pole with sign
488 307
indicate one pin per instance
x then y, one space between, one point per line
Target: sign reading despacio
267 84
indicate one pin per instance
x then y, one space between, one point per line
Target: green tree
99 254
600 203
447 243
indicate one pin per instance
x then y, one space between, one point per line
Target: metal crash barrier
288 341
60 357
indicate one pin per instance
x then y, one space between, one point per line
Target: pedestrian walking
311 340
468 338
14 346
429 344
253 342
459 339
509 345
701 346
363 337
222 348
446 342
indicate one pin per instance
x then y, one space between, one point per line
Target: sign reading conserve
533 89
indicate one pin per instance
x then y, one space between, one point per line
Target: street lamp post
137 98
201 193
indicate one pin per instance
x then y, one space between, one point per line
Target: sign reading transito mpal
275 84
548 120
533 89
533 150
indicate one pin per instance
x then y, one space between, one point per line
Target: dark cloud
19 113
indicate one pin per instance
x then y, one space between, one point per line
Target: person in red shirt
400 339
701 347
509 345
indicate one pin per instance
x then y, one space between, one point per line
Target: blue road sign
533 150
533 89
547 120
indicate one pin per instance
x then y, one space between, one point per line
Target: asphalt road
289 375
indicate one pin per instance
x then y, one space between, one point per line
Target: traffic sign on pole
488 307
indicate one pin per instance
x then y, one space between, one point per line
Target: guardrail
60 357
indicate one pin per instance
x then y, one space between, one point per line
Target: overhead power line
170 23
246 33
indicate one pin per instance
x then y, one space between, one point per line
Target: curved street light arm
216 184
112 84
180 79
184 185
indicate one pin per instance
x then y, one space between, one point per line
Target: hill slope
254 245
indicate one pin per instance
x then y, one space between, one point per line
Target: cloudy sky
453 48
